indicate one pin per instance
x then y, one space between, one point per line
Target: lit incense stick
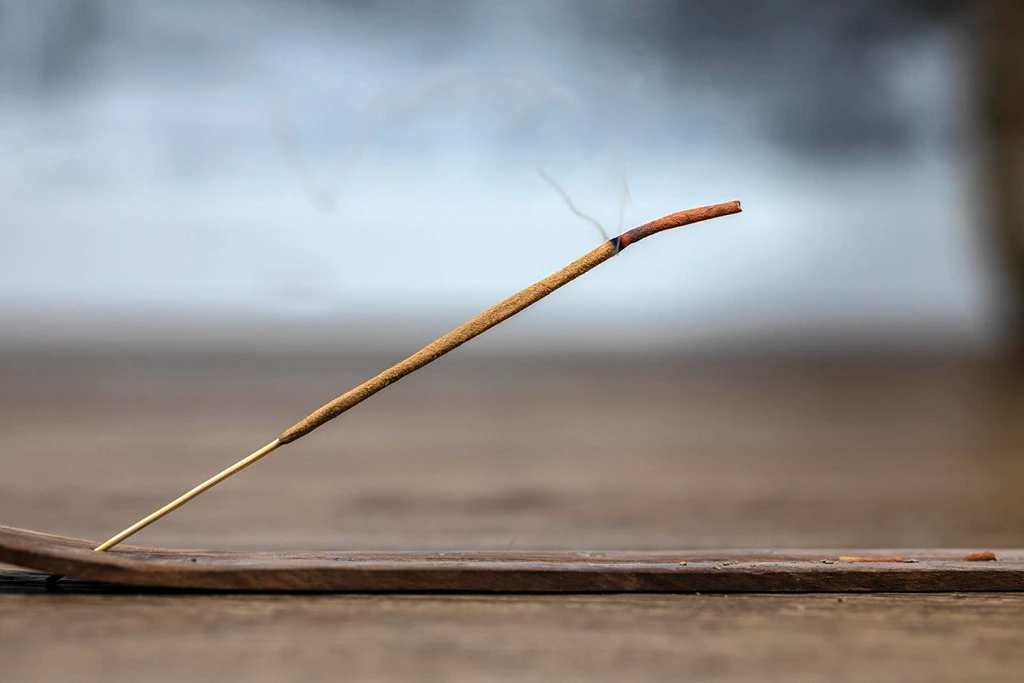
457 337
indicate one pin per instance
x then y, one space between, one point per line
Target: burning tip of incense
675 220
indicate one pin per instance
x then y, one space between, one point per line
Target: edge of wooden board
674 571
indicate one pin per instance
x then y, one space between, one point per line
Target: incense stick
454 339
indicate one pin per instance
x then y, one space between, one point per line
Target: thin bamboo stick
454 339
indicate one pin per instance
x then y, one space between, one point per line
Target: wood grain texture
731 570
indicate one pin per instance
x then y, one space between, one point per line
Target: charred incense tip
675 220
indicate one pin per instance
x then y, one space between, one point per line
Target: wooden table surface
473 453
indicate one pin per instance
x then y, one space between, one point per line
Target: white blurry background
354 174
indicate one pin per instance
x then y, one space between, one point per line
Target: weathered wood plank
519 572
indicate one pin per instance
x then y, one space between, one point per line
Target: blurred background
218 215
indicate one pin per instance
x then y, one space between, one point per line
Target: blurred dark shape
1002 49
816 68
57 36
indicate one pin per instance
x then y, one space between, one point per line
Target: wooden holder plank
760 571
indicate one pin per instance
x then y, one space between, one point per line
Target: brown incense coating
457 337
502 311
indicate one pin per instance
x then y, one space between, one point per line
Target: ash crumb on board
980 556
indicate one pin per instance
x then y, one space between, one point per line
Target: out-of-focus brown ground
531 453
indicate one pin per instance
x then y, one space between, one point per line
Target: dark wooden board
515 571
